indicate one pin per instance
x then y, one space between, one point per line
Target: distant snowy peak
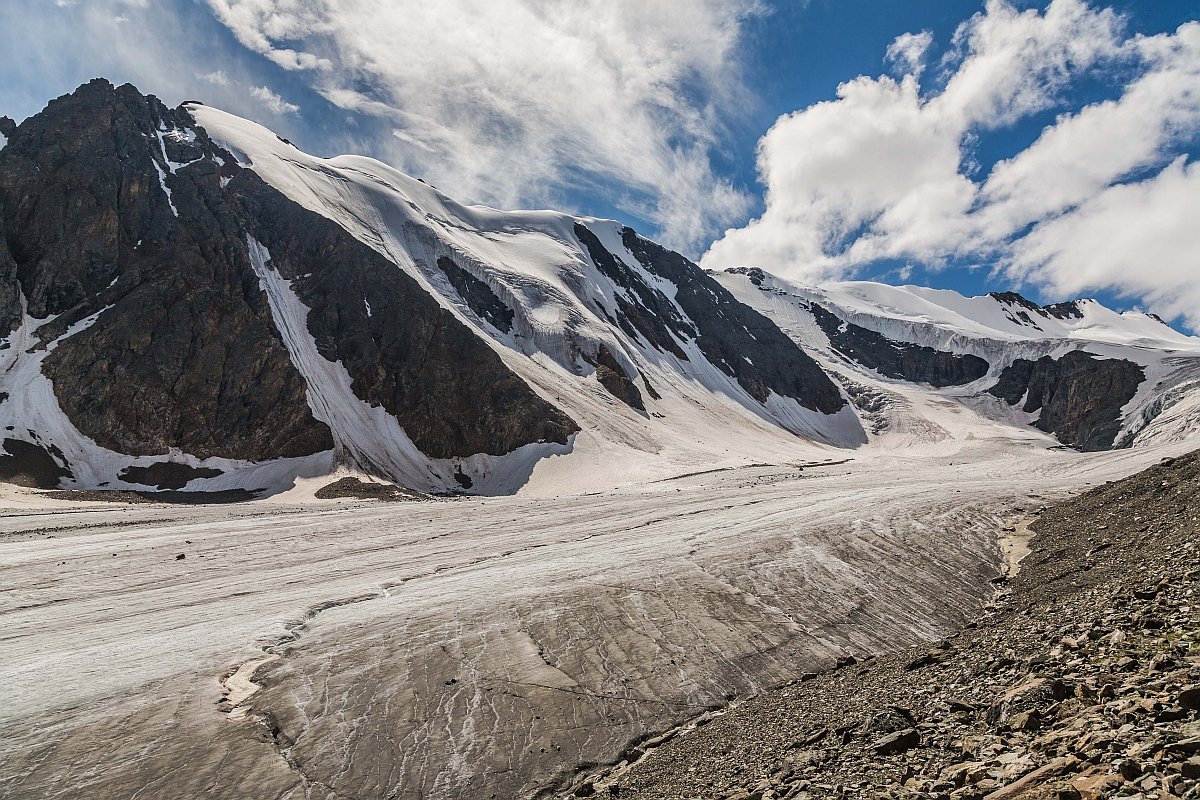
996 315
1092 377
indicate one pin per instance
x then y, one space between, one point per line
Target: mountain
190 302
1092 378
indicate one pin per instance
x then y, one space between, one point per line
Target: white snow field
476 647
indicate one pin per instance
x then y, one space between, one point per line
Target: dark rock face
1018 308
754 274
32 465
613 377
167 474
361 490
734 337
1067 310
185 353
1080 396
653 318
902 360
449 390
477 295
10 295
111 203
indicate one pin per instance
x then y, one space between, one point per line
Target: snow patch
162 181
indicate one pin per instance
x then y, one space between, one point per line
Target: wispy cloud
273 102
907 52
515 102
218 78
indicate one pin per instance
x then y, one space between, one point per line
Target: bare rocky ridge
911 362
1081 682
1080 396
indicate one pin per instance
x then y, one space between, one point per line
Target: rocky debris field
1082 680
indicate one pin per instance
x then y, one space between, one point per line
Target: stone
1189 697
897 742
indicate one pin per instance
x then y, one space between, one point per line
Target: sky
1046 147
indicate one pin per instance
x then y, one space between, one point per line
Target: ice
474 647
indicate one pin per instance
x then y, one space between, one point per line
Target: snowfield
476 646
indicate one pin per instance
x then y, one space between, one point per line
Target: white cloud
1140 239
515 102
885 171
1084 152
217 78
273 102
907 52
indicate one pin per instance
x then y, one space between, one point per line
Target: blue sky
1047 147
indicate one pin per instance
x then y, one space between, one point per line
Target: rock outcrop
1080 395
478 295
902 360
735 338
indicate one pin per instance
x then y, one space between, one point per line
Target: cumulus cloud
515 102
885 171
272 101
1140 239
907 52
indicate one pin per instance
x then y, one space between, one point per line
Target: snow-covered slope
565 312
273 315
999 333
